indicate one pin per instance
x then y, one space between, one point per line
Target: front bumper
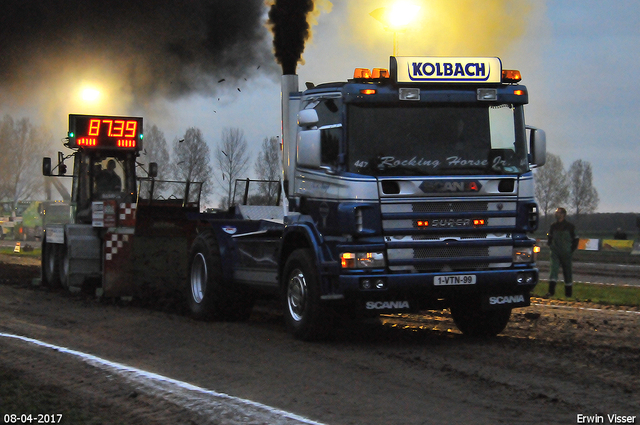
421 287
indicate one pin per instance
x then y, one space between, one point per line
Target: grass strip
35 253
599 294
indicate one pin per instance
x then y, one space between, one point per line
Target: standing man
562 241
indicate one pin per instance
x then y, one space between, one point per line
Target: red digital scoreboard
105 132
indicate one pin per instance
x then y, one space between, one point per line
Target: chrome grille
444 207
453 267
415 248
447 252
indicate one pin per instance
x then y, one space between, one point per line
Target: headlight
361 260
523 254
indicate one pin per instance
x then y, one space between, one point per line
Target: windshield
436 140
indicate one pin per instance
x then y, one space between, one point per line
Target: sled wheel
63 265
50 263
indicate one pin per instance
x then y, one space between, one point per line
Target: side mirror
537 146
46 166
308 154
62 168
308 118
153 169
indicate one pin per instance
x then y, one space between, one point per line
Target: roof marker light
380 73
511 76
362 73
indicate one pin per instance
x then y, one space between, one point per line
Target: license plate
455 279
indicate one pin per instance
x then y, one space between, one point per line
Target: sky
579 59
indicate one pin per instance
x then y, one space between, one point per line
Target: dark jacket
562 238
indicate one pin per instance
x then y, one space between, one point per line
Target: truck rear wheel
305 316
473 321
207 296
50 264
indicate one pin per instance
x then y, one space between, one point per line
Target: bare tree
268 167
155 150
232 159
583 196
191 160
552 185
22 145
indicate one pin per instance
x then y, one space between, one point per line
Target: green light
70 134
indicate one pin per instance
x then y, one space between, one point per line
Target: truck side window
330 144
330 125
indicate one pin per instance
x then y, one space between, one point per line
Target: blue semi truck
404 189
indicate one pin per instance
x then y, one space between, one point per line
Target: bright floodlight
90 94
401 14
396 17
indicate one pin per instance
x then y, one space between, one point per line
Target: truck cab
419 181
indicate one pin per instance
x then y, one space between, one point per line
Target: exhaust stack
290 99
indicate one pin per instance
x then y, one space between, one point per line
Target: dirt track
552 364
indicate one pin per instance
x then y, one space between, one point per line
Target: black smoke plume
158 48
288 20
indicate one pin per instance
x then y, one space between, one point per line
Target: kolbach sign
413 69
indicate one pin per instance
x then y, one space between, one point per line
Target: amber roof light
511 76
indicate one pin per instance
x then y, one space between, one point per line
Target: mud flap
117 255
496 302
389 306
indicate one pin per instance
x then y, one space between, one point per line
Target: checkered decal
114 242
127 216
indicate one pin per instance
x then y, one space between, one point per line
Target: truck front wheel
473 321
305 316
207 296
